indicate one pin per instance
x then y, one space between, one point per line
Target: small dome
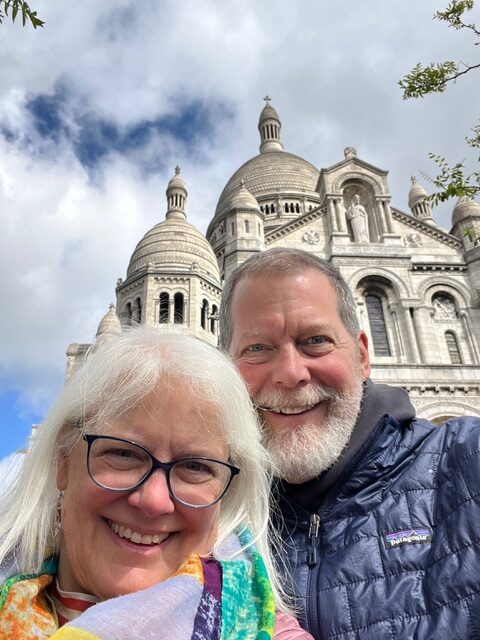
269 126
174 244
268 112
416 194
465 208
243 199
177 182
110 323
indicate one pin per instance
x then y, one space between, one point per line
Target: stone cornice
434 232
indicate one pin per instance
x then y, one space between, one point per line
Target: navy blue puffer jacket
394 550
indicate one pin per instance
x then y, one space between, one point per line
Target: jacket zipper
313 531
311 605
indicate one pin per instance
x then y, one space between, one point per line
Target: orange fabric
27 613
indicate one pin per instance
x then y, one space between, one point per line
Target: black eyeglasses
121 465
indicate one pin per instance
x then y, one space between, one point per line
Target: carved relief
311 237
444 309
412 240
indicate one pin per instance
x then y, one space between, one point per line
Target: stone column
380 216
171 308
412 338
388 216
396 313
341 222
422 323
361 315
331 214
467 328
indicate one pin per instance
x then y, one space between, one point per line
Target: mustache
280 399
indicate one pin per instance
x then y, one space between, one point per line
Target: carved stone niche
358 198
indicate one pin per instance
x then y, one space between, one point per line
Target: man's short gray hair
284 262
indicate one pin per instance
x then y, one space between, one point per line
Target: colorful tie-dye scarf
207 599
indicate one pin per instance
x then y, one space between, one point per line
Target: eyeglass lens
121 465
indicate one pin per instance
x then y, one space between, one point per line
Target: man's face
303 369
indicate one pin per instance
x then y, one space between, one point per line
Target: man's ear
62 472
364 356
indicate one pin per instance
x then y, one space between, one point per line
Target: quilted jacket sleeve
287 628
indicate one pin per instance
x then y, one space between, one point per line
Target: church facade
417 287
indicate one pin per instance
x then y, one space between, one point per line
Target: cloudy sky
98 107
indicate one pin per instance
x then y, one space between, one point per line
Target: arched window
178 308
204 314
452 346
164 302
378 329
213 318
247 226
127 315
297 208
137 311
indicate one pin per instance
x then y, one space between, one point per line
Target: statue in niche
359 220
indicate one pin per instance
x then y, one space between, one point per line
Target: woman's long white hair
114 379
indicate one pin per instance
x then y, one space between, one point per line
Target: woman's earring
57 527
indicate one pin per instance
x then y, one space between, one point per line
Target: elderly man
380 510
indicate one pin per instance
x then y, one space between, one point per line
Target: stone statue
349 153
359 220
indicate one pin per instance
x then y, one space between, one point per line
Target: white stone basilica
417 287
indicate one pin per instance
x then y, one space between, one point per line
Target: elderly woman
146 478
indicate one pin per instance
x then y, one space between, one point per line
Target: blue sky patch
15 424
94 138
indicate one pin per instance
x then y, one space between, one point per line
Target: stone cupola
419 203
269 126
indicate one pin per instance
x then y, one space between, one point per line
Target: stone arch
456 289
204 312
377 302
164 305
178 307
382 275
447 302
137 310
447 408
357 176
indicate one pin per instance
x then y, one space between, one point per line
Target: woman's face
171 423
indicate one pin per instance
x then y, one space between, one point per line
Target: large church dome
174 243
274 172
270 174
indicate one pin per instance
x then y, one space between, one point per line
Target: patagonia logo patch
420 535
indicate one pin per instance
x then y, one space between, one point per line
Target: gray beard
304 452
